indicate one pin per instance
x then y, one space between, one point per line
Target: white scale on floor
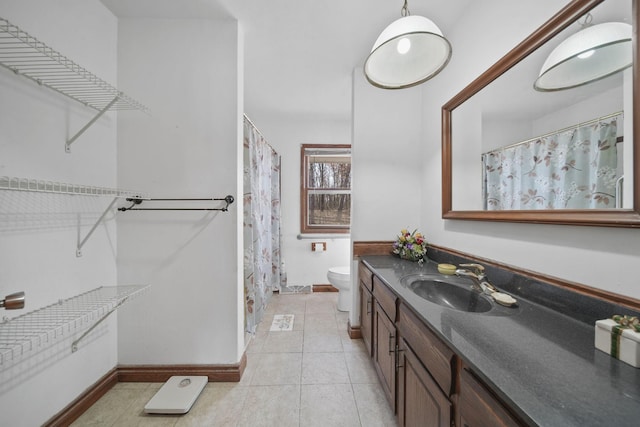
176 396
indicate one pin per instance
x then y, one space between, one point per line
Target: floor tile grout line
355 401
353 392
302 368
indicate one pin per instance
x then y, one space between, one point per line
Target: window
325 196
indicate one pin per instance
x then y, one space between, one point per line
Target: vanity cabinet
478 407
365 288
384 342
419 373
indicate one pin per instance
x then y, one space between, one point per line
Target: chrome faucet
480 281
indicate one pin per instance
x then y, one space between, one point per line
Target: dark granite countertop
541 362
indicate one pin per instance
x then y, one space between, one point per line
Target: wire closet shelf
25 55
44 186
29 333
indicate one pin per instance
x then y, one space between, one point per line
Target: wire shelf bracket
74 344
27 56
81 242
67 145
25 335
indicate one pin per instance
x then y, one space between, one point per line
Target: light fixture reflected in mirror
593 53
410 51
457 128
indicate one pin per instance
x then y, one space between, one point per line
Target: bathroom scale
177 395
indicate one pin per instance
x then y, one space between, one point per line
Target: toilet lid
340 270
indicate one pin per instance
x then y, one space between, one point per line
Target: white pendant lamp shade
590 54
408 52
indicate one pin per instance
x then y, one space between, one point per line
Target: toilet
340 277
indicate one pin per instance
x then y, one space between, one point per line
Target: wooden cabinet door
366 316
384 347
477 407
420 400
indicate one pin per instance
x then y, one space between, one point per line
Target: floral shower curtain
261 224
575 169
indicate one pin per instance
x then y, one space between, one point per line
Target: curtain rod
261 134
254 126
588 122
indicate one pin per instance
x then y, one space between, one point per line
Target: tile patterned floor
314 375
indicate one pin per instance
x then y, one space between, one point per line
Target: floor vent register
282 322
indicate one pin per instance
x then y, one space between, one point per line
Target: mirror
500 113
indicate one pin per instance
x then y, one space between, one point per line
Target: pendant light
408 52
593 53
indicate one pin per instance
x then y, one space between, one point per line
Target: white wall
286 135
387 164
186 71
594 256
38 232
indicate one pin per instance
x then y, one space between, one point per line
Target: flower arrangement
411 246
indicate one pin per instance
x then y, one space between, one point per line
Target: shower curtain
261 224
574 169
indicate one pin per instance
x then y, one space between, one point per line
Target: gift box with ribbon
620 337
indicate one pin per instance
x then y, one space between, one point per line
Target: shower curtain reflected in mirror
571 169
262 273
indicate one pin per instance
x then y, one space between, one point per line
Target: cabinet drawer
433 353
365 276
477 407
385 298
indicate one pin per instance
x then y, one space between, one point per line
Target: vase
411 257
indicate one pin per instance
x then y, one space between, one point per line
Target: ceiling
299 54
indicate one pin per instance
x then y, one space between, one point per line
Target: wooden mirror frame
629 218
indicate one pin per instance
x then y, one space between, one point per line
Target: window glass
326 189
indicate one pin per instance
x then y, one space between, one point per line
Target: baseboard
143 373
76 408
161 373
324 288
354 331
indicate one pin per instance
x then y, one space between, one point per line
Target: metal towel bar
135 201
